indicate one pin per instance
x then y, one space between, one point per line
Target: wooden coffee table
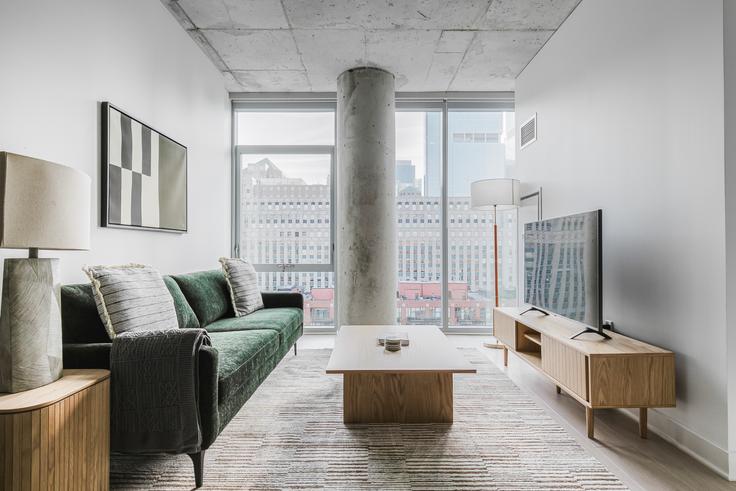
413 385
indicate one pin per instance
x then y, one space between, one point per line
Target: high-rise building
433 142
480 145
406 172
285 222
406 178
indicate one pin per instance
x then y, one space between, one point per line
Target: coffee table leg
397 398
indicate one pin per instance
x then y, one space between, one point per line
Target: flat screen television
562 268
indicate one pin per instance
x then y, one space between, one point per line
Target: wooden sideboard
617 373
57 436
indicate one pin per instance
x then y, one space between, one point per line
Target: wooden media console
617 373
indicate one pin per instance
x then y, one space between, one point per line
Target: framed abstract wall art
144 175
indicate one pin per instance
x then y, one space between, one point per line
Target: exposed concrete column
366 203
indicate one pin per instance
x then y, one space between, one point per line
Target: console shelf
534 337
534 359
621 372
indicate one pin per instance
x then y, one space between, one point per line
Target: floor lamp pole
489 344
495 255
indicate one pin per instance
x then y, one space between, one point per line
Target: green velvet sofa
244 350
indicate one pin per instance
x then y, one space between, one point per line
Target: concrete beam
527 14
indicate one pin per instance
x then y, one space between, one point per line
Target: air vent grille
529 131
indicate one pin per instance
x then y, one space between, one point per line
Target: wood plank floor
651 464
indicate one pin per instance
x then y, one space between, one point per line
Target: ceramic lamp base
30 324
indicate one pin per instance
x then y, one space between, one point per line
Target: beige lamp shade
501 193
43 205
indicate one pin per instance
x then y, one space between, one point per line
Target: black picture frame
110 209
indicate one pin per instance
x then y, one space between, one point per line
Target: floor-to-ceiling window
284 205
419 216
283 217
457 272
480 146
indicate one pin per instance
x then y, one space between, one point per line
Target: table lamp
42 206
494 194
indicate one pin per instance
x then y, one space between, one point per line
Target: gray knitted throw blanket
155 391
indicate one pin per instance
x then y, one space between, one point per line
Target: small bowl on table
392 343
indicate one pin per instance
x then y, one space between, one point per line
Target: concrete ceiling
429 45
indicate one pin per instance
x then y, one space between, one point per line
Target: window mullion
445 214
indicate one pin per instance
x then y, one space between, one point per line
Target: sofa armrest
278 300
209 415
87 355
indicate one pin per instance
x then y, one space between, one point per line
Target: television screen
562 266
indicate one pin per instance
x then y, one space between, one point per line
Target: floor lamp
494 194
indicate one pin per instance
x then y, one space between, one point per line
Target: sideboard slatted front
62 445
568 366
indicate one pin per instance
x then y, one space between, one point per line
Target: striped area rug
290 435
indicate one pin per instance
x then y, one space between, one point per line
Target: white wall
729 8
58 60
629 97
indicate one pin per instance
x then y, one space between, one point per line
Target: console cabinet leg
505 356
558 389
589 421
643 422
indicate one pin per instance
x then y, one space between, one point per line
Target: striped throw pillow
243 283
132 297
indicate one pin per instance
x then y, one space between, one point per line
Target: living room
281 244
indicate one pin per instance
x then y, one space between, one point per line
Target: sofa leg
198 461
294 349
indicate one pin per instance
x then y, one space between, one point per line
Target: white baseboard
696 446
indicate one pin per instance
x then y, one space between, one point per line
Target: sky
314 128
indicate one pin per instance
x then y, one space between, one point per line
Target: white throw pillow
243 283
131 297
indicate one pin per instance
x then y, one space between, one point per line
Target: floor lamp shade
487 193
42 206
